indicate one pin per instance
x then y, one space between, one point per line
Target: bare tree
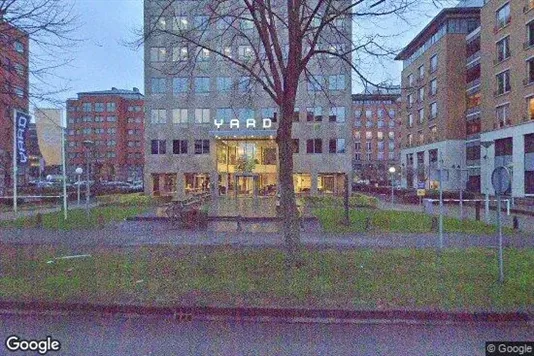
284 44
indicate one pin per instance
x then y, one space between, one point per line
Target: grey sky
102 60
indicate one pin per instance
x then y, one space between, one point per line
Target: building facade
14 86
112 121
212 127
377 137
497 125
434 101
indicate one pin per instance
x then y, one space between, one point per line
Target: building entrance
247 167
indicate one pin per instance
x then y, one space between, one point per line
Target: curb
330 316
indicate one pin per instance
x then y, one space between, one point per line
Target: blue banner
22 121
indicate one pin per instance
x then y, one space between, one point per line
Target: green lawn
396 221
353 279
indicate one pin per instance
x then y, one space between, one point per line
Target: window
409 140
204 55
246 24
380 136
296 145
179 116
180 54
530 71
87 107
158 147
111 107
421 115
357 146
224 114
161 23
316 83
180 23
530 34
433 133
410 100
202 85
158 85
410 120
202 147
421 137
368 135
434 63
421 72
111 119
245 52
244 84
179 147
158 116
19 47
180 85
503 49
410 80
269 113
433 110
201 23
245 114
503 82
369 114
502 113
433 87
391 135
421 94
202 116
224 83
337 145
314 146
530 103
99 107
336 82
503 16
158 54
314 114
369 146
337 114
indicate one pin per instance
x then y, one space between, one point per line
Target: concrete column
518 167
214 183
314 181
180 185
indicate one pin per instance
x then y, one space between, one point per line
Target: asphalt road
92 335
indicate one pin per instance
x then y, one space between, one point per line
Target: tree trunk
288 207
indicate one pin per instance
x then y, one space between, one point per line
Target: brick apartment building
376 136
483 110
113 120
14 84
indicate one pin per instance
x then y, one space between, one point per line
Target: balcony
528 45
472 58
473 110
472 84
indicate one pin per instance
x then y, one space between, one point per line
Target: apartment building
205 123
14 84
507 88
434 101
376 136
112 122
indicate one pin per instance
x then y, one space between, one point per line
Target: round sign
500 179
79 170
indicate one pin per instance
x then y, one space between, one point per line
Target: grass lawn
352 279
396 221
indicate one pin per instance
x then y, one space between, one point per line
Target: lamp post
79 172
486 145
460 170
392 171
88 144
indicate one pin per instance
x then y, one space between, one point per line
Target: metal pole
15 208
501 268
461 203
79 176
486 207
441 202
392 192
65 208
87 185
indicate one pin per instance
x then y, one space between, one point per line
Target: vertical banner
22 121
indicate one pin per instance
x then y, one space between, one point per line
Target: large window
202 147
158 54
224 83
158 85
179 116
434 63
337 114
180 23
433 110
503 16
530 108
530 71
179 147
337 145
158 116
180 54
202 85
202 116
433 87
336 82
503 82
158 147
244 84
502 113
314 114
314 146
530 34
99 107
503 49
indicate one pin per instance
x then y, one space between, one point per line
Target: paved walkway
10 215
128 234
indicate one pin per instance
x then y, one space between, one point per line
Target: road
93 335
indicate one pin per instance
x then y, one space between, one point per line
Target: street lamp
88 144
486 145
79 172
392 171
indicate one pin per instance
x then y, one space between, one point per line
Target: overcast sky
103 61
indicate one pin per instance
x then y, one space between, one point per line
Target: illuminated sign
249 124
22 121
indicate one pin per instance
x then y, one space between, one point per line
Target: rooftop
125 93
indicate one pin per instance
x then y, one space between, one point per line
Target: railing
475 56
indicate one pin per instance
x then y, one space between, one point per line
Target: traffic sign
421 192
500 179
421 185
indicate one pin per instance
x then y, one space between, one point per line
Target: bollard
368 224
516 223
434 227
477 210
39 221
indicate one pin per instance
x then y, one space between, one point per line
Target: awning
250 134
